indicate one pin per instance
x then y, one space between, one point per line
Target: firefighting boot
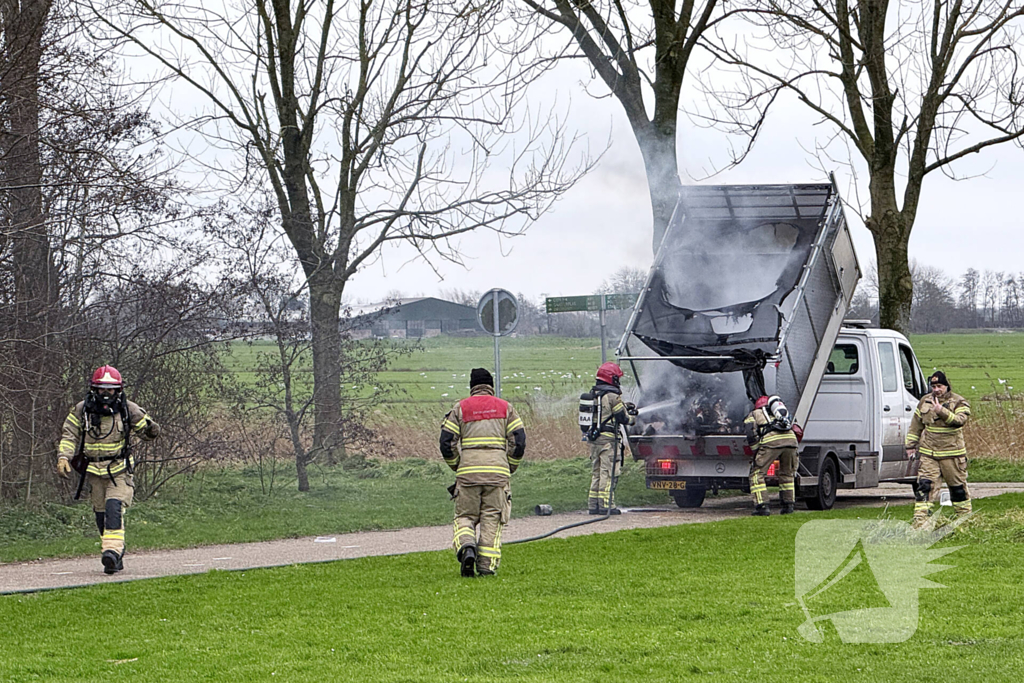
761 511
788 508
467 556
111 562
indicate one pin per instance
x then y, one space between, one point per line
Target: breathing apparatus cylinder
590 416
779 414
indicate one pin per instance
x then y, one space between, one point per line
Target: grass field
544 367
975 363
674 604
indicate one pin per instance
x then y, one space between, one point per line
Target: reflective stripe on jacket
613 413
939 437
483 446
757 421
103 444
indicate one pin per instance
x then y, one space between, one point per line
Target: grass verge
224 506
673 604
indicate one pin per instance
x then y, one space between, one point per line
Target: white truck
747 297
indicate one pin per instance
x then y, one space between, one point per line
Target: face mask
102 404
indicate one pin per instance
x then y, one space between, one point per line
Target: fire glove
152 430
63 467
451 491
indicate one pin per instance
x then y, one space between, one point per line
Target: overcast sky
604 223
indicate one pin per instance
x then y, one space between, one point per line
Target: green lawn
675 604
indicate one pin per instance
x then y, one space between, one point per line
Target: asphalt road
39 575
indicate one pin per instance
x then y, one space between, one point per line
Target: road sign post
498 313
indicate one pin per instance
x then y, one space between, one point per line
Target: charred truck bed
746 297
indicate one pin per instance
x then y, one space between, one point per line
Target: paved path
81 571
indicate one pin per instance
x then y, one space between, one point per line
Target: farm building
418 317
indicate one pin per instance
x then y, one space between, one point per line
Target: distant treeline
974 300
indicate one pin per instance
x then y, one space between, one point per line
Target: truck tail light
644 449
665 467
771 469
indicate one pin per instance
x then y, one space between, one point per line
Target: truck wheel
825 492
690 497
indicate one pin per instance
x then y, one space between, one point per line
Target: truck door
914 386
893 404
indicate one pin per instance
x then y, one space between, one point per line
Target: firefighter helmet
106 377
761 402
609 373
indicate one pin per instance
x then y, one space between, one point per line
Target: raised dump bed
746 297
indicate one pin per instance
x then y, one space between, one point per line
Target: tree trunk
35 381
324 316
659 152
300 470
895 285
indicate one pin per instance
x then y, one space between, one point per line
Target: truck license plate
660 484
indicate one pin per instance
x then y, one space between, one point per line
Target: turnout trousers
110 497
604 467
481 512
763 459
953 471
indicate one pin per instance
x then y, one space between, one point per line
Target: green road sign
566 304
620 301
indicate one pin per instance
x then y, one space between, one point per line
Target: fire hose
620 457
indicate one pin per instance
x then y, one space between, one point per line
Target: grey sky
604 223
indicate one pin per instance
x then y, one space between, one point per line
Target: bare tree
31 383
910 88
970 290
372 122
626 280
641 51
934 307
277 405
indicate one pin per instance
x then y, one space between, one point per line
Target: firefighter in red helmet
772 436
610 411
97 439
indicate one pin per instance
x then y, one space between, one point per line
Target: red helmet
609 373
761 402
106 377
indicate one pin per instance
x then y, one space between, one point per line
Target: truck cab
855 433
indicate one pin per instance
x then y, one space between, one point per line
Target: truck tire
825 492
690 497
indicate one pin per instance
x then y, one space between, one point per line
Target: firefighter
771 435
604 460
483 441
99 430
936 436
